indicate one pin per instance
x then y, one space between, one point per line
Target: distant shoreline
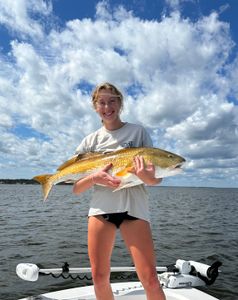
32 181
20 181
23 181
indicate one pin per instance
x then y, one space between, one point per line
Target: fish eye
170 156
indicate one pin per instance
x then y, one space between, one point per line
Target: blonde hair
106 86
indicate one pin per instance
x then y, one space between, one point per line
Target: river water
189 223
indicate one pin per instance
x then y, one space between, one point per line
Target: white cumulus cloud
176 75
17 16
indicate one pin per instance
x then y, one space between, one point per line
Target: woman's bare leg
138 239
101 237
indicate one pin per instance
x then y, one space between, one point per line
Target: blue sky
175 61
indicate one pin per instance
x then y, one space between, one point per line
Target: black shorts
118 218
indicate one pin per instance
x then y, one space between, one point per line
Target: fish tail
46 184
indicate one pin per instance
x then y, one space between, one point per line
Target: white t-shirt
134 200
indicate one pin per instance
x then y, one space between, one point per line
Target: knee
149 280
100 278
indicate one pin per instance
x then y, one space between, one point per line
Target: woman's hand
102 177
146 173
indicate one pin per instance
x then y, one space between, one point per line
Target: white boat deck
123 291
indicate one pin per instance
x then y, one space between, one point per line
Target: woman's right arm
101 177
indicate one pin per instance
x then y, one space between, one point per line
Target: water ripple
189 223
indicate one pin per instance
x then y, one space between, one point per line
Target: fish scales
166 164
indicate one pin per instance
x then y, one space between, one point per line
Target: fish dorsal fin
67 163
79 157
89 155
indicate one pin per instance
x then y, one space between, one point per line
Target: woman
126 209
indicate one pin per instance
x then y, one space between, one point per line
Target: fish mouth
178 166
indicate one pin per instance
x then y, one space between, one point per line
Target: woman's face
108 106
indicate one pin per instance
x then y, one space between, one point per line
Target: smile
108 114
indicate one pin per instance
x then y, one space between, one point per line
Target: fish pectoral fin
124 172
